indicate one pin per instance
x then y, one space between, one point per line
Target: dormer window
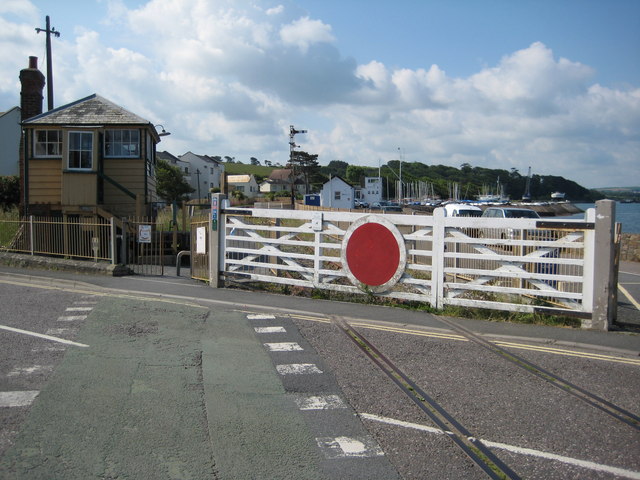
47 144
122 143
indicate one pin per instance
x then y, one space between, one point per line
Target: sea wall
630 247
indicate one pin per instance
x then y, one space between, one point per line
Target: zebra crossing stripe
319 402
18 399
79 309
72 318
283 347
270 330
261 316
298 369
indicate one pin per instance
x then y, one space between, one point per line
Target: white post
589 266
31 234
114 241
437 258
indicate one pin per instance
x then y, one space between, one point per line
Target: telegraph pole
49 31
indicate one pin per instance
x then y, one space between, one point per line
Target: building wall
45 181
336 194
10 132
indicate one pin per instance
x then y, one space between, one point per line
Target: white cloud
228 77
304 32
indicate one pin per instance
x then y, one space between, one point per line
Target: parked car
361 204
507 212
461 210
510 212
387 206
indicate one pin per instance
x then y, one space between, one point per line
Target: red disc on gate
373 253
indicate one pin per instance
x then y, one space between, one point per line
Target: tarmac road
181 381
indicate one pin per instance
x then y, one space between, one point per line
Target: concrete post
604 287
216 237
437 258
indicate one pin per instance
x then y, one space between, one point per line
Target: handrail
179 257
116 184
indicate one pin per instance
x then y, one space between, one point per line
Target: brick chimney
32 84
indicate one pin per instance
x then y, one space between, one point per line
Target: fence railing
526 265
73 237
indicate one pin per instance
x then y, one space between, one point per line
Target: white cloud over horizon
229 77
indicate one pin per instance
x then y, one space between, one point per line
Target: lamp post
163 133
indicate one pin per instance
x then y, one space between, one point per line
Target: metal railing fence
69 236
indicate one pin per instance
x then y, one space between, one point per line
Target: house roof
281 174
238 178
205 158
2 114
167 157
91 110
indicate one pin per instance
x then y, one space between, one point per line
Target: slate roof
91 110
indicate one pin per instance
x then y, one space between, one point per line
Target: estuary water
626 213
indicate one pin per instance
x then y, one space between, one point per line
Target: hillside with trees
468 181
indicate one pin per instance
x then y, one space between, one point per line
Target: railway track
479 453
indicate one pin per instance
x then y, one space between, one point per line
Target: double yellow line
500 343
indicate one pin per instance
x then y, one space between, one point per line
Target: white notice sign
201 240
144 233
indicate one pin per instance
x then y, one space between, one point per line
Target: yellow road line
628 295
102 294
569 353
520 346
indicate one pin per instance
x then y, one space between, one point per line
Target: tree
171 185
254 161
355 173
306 165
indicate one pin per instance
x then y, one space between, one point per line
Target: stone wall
630 247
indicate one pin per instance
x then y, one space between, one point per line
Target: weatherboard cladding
92 110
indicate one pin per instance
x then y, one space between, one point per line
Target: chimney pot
33 62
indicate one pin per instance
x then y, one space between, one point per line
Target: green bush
9 192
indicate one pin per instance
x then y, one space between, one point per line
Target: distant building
10 133
246 184
280 181
370 191
337 193
203 173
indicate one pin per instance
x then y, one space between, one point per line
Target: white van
461 210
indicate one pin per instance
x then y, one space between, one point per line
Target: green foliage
307 165
9 192
171 185
335 167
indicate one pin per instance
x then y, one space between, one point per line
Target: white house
246 184
10 132
371 191
280 181
203 173
337 193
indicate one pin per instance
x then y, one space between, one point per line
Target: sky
549 84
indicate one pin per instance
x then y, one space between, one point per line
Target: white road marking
40 335
283 347
86 302
297 369
261 316
79 309
322 402
72 318
512 448
18 399
341 447
29 370
270 330
629 297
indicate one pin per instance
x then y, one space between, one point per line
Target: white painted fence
521 265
